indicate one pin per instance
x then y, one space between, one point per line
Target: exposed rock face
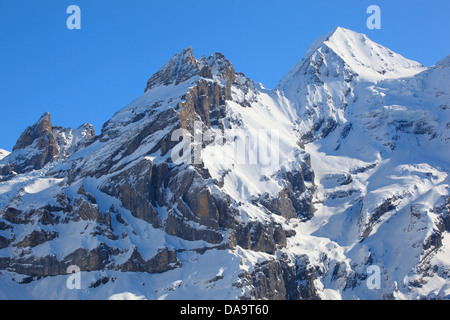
204 102
260 237
50 266
4 243
183 66
40 135
138 195
7 172
289 203
43 143
36 238
70 141
283 280
179 69
163 261
41 130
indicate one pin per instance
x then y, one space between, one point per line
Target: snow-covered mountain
209 185
378 141
323 83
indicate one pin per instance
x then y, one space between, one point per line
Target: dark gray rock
163 261
282 280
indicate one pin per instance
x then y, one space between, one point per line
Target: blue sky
87 75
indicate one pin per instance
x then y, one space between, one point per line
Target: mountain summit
323 83
183 66
209 186
365 58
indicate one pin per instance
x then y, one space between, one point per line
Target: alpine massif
210 186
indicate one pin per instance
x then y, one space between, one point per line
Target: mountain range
211 186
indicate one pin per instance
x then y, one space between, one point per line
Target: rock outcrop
43 143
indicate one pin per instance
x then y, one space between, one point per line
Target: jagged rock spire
42 143
43 127
183 66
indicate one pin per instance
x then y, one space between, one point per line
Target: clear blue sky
87 75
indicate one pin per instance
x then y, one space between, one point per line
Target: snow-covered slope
377 134
209 186
3 153
323 83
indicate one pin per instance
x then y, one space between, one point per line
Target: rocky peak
220 67
180 68
444 63
85 131
43 143
70 141
34 149
183 66
42 128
